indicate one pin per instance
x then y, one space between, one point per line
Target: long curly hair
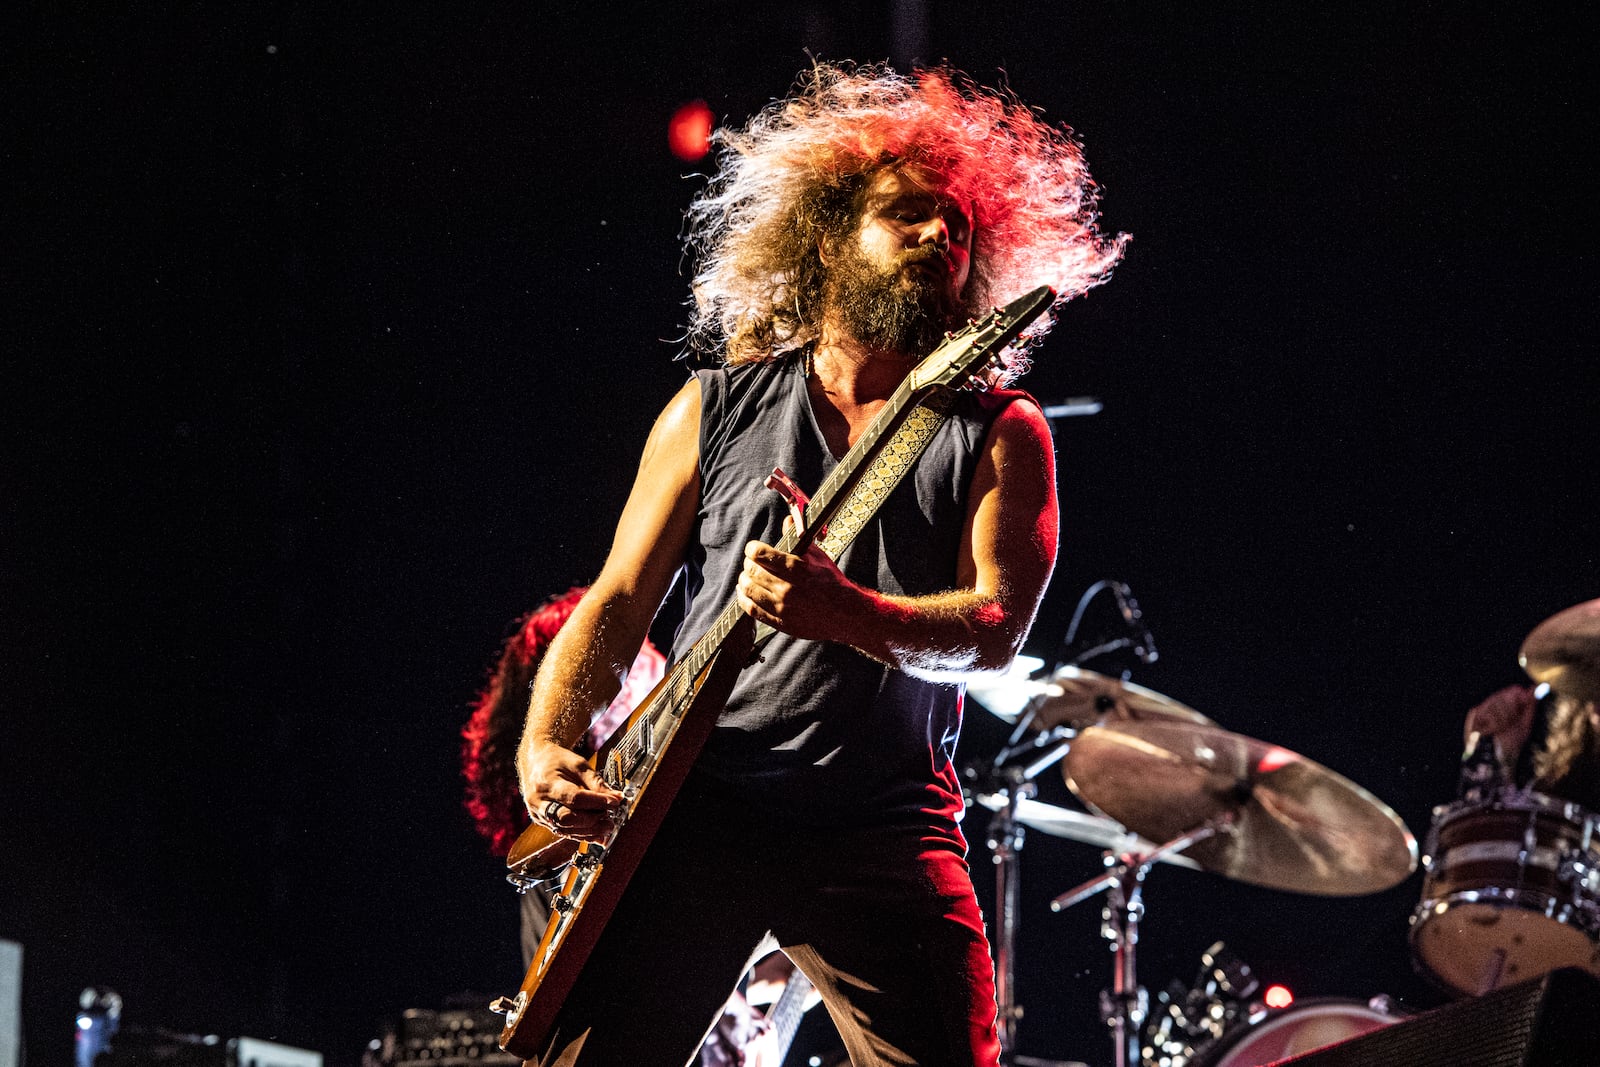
489 739
1572 743
793 176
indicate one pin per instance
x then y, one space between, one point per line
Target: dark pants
882 920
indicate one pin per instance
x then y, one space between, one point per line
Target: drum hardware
1004 785
1214 1023
1482 768
1251 811
1124 1006
1188 1020
1070 825
1047 713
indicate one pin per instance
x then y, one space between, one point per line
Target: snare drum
1308 1025
1512 892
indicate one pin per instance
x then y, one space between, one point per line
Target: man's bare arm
585 664
1008 551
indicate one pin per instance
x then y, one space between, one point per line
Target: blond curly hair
792 177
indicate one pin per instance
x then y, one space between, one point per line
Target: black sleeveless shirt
816 731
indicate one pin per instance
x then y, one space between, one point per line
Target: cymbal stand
1124 1005
1012 772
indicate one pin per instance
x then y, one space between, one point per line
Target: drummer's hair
1572 736
489 739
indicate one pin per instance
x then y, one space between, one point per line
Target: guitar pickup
628 754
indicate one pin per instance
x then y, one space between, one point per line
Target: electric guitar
648 757
771 1043
783 1018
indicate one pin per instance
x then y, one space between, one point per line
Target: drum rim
1517 800
1432 907
1207 1055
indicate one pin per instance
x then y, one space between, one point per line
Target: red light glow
1275 759
1278 996
689 131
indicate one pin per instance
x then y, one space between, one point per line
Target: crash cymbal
1298 826
1075 698
1094 830
1564 651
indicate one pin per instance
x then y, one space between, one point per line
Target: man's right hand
565 795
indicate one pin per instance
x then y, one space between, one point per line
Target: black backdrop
336 332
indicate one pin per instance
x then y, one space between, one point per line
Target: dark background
336 332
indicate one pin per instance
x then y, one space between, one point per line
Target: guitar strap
887 468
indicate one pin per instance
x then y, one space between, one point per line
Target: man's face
897 281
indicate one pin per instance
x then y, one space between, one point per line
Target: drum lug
1577 869
1132 1006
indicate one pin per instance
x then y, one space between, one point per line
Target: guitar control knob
511 1007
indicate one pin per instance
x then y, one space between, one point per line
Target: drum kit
1512 882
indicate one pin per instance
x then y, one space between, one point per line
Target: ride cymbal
1297 825
1564 652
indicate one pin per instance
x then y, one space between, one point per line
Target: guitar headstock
965 354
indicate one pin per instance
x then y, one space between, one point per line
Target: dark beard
876 309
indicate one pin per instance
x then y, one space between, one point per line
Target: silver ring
551 807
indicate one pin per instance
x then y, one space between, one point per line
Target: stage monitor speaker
1553 1021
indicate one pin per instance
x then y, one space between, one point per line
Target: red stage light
689 131
1278 996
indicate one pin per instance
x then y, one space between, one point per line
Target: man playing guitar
850 226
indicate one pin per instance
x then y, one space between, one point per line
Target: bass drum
1311 1024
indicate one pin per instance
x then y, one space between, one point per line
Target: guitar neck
787 1012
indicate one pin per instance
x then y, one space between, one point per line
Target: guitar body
573 931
